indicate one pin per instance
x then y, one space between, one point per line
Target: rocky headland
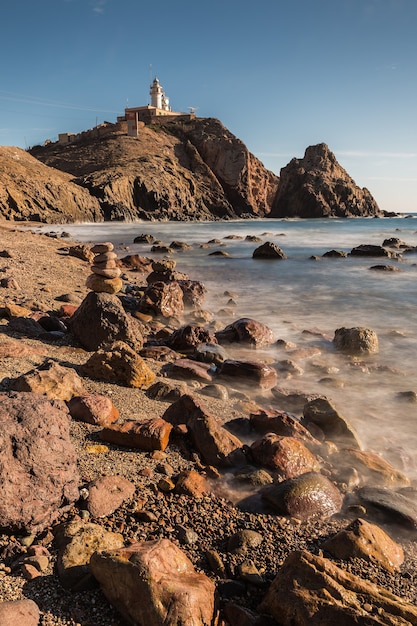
184 171
149 450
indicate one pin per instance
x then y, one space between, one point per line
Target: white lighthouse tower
158 98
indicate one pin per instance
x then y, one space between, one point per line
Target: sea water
301 294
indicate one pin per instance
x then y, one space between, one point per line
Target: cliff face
32 191
317 186
191 171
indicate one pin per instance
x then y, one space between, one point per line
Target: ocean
300 294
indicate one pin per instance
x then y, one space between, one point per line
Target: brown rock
100 319
216 445
19 613
317 186
171 592
191 483
162 299
76 542
93 408
51 380
107 272
269 250
356 340
149 435
189 369
101 284
82 251
372 468
119 363
286 455
135 262
102 248
281 423
252 373
329 595
364 540
167 391
106 494
38 470
187 338
247 331
320 412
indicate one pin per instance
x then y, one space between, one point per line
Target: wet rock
371 250
210 353
281 423
162 299
189 369
388 505
148 435
76 542
107 493
303 497
292 400
144 238
135 262
252 373
51 380
321 413
246 331
216 445
193 292
93 408
215 391
38 471
288 456
366 541
187 338
372 468
269 250
356 340
384 268
171 592
335 254
101 319
118 363
19 612
329 595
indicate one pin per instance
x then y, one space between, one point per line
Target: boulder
193 292
76 542
187 338
100 319
366 541
355 340
93 408
317 186
269 250
51 380
163 300
38 470
244 373
371 250
216 445
246 331
188 369
19 612
152 434
321 413
118 363
307 496
167 390
162 578
329 595
286 455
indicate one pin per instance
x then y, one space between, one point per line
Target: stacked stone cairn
105 275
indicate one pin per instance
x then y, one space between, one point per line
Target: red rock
248 331
186 369
67 310
187 338
163 299
106 494
93 408
286 455
149 435
191 483
253 373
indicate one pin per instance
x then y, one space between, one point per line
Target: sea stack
105 275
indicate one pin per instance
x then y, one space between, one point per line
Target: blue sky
280 75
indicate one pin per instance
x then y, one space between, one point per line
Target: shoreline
45 272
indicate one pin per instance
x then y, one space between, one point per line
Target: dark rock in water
101 319
210 353
180 245
371 250
280 423
385 268
407 396
355 340
193 292
162 299
38 470
317 186
135 262
288 456
144 238
292 400
269 250
247 331
335 254
189 370
372 469
253 373
187 338
334 426
306 496
391 505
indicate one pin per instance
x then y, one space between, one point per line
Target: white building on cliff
158 111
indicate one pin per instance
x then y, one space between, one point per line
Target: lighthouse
158 98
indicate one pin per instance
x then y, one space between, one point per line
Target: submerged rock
356 340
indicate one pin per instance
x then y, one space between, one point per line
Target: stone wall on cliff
317 186
29 190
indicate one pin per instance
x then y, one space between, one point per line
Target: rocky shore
148 449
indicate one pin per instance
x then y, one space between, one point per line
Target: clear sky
281 75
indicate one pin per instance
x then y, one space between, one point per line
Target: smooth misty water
300 294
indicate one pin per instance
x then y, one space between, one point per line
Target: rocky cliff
29 190
192 170
317 186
